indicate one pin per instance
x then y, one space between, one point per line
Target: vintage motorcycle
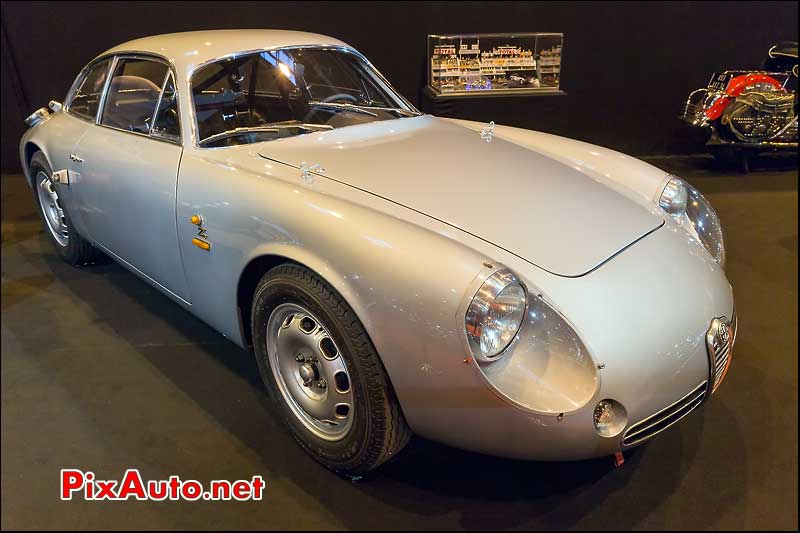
749 111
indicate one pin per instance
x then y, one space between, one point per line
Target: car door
128 171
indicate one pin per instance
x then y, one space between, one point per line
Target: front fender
405 280
32 141
56 137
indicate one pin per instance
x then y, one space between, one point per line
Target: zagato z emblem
488 132
201 240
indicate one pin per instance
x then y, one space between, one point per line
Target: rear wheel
323 374
731 157
73 248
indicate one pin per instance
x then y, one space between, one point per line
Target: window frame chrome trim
145 56
80 78
151 133
188 83
115 56
106 86
158 101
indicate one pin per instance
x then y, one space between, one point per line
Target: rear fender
736 87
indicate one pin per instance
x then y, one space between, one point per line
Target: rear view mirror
37 117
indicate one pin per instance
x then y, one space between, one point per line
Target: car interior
130 103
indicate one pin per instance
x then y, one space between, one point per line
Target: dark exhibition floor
100 372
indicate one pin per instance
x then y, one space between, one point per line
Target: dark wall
627 66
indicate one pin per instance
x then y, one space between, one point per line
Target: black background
627 66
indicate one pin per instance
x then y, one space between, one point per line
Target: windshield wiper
344 105
404 112
268 129
366 108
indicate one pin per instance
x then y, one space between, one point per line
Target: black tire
743 162
378 430
77 251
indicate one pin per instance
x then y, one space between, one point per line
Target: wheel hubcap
310 371
307 374
51 208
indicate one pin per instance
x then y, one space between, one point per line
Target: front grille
719 341
663 419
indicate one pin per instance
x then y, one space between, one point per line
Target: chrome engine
757 117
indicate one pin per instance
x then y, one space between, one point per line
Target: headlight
674 197
495 315
518 339
690 209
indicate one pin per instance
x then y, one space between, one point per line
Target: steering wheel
337 96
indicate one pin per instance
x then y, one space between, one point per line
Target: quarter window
86 98
167 124
133 94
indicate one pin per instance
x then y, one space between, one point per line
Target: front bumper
644 316
719 346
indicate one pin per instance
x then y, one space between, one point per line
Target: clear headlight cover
691 209
548 353
495 315
674 197
610 418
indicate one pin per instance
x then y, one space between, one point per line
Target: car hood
540 209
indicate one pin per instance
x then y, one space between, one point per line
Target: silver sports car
492 288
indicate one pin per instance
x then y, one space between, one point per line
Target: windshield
281 93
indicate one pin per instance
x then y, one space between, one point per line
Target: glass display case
494 64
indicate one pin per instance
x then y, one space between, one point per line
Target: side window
133 94
167 124
86 98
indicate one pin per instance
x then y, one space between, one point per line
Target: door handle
75 158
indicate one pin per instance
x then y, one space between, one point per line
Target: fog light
610 418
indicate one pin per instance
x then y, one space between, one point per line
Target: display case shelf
494 64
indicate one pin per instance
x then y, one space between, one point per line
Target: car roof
187 50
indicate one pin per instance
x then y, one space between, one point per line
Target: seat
130 104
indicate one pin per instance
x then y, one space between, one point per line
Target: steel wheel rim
51 207
310 372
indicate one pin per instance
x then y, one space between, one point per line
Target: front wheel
72 248
323 374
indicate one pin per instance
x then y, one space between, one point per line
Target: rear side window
133 94
86 99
